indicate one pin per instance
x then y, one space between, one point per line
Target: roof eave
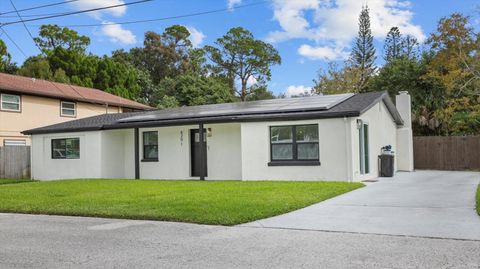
64 130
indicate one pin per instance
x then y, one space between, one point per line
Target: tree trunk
243 96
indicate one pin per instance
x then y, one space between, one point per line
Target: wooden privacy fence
447 152
15 162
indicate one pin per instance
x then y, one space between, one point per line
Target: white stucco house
334 137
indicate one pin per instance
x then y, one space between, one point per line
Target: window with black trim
66 148
68 109
10 102
294 144
150 146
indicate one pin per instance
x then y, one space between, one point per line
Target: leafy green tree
363 53
117 78
335 80
36 67
147 88
410 47
259 91
60 76
393 47
6 64
238 55
428 95
168 102
454 49
191 89
454 43
52 37
166 55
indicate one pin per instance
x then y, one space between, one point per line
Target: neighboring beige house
27 103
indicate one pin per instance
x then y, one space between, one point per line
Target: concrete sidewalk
438 204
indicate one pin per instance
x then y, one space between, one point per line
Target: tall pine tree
393 45
410 47
363 54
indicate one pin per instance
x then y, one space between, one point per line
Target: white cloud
296 90
90 4
118 35
232 3
196 36
251 81
322 53
115 32
332 24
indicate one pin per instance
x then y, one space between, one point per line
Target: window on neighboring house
14 142
10 102
66 148
68 109
364 148
294 144
150 146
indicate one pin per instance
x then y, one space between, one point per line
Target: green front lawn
208 202
478 199
14 181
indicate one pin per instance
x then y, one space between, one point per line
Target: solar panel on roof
312 103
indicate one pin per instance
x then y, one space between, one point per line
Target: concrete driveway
436 204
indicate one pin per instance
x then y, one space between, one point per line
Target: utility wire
37 7
75 12
13 41
25 26
163 18
31 15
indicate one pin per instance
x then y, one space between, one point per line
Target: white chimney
404 134
404 107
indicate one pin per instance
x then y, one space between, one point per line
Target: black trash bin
386 165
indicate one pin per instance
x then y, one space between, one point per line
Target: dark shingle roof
351 107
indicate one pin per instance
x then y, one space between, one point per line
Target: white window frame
364 149
74 109
8 102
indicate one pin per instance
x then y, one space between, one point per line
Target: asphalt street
29 241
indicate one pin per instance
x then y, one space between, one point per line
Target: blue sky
307 33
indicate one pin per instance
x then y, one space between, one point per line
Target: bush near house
207 202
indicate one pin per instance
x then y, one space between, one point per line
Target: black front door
198 159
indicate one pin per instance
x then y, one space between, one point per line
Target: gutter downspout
348 149
31 157
203 150
137 153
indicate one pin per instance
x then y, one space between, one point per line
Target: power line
25 26
75 12
37 7
31 15
164 18
14 43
